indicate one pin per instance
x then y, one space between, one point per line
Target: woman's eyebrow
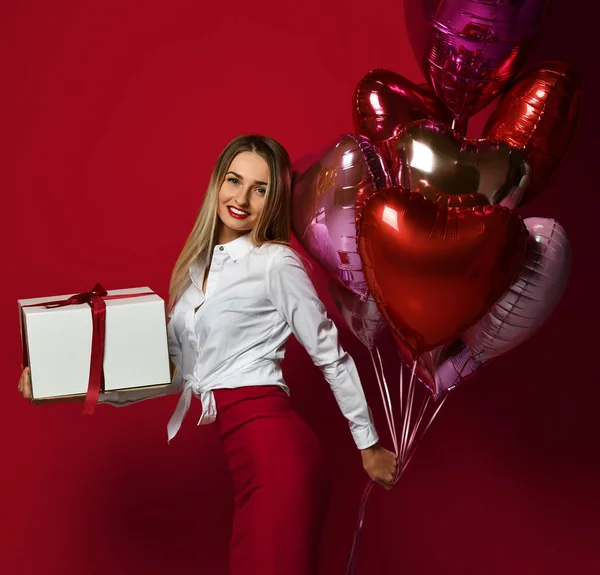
242 177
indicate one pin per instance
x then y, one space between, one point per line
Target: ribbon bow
85 297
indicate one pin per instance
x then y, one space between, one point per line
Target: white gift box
59 342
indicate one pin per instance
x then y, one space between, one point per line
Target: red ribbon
95 299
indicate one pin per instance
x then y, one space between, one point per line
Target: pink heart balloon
532 296
326 199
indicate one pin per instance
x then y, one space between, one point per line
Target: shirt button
221 248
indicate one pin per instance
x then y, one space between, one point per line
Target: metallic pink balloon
474 48
455 367
361 316
326 199
303 163
417 16
442 368
531 298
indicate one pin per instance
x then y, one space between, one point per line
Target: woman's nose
243 198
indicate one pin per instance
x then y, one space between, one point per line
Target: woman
237 292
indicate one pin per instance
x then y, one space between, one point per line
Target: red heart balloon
433 270
384 100
539 114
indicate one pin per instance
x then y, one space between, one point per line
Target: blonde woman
237 292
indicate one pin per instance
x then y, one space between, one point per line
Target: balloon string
389 414
434 415
407 456
408 444
386 385
385 395
385 398
407 417
420 415
401 385
412 447
397 476
353 558
389 402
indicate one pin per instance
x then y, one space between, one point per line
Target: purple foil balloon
531 298
473 48
325 202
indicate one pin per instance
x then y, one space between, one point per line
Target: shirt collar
235 250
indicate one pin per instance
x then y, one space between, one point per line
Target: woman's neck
227 235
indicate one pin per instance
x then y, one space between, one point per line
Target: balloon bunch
416 225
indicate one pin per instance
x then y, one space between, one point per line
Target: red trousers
280 481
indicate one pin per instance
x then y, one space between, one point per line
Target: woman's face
242 195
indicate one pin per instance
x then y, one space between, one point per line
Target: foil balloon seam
369 152
542 106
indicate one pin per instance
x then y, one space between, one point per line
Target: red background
113 114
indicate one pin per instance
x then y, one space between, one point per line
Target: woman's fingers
386 481
28 394
24 386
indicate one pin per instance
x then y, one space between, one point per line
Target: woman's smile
237 213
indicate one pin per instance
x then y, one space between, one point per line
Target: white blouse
256 297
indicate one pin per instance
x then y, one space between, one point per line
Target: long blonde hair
274 224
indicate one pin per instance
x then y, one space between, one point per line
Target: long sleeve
125 397
296 299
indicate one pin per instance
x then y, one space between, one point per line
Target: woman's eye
232 180
261 191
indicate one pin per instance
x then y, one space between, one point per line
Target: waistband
209 405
